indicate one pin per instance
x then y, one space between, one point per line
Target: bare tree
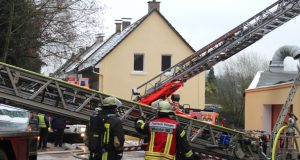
68 26
235 76
49 30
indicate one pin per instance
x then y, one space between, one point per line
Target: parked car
76 129
73 133
13 119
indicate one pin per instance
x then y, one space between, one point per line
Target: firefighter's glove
140 125
189 155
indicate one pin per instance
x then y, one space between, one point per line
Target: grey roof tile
272 78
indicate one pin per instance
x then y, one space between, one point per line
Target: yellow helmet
112 101
164 106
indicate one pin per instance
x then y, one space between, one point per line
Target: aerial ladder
32 91
35 92
240 37
291 150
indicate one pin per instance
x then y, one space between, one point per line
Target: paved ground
68 151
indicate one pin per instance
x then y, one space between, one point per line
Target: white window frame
139 72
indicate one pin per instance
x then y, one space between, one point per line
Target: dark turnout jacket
58 123
113 142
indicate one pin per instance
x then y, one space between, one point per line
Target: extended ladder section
287 105
35 92
224 47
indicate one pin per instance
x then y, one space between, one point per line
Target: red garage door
276 108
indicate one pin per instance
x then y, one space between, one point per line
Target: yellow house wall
255 99
153 38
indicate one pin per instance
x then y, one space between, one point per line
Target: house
263 103
134 54
268 92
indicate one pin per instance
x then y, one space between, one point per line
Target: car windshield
12 112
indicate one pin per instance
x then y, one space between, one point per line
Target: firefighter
106 135
33 122
58 125
166 138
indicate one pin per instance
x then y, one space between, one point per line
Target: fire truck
49 95
16 142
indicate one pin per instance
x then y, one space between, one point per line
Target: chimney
118 25
125 23
100 37
153 5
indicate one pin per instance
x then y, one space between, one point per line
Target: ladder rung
279 21
272 25
296 9
266 29
286 18
293 13
259 33
248 41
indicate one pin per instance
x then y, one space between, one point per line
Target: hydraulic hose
275 141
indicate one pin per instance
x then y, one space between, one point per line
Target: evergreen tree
210 87
18 35
211 76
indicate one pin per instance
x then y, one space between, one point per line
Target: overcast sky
202 21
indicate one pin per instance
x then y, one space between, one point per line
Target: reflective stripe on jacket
112 139
106 140
162 136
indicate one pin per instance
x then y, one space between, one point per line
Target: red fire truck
16 143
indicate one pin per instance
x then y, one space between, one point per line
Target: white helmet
155 103
164 106
111 101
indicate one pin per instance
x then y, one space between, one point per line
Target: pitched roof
107 47
267 78
99 51
71 63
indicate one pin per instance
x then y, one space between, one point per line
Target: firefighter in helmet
106 137
166 138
